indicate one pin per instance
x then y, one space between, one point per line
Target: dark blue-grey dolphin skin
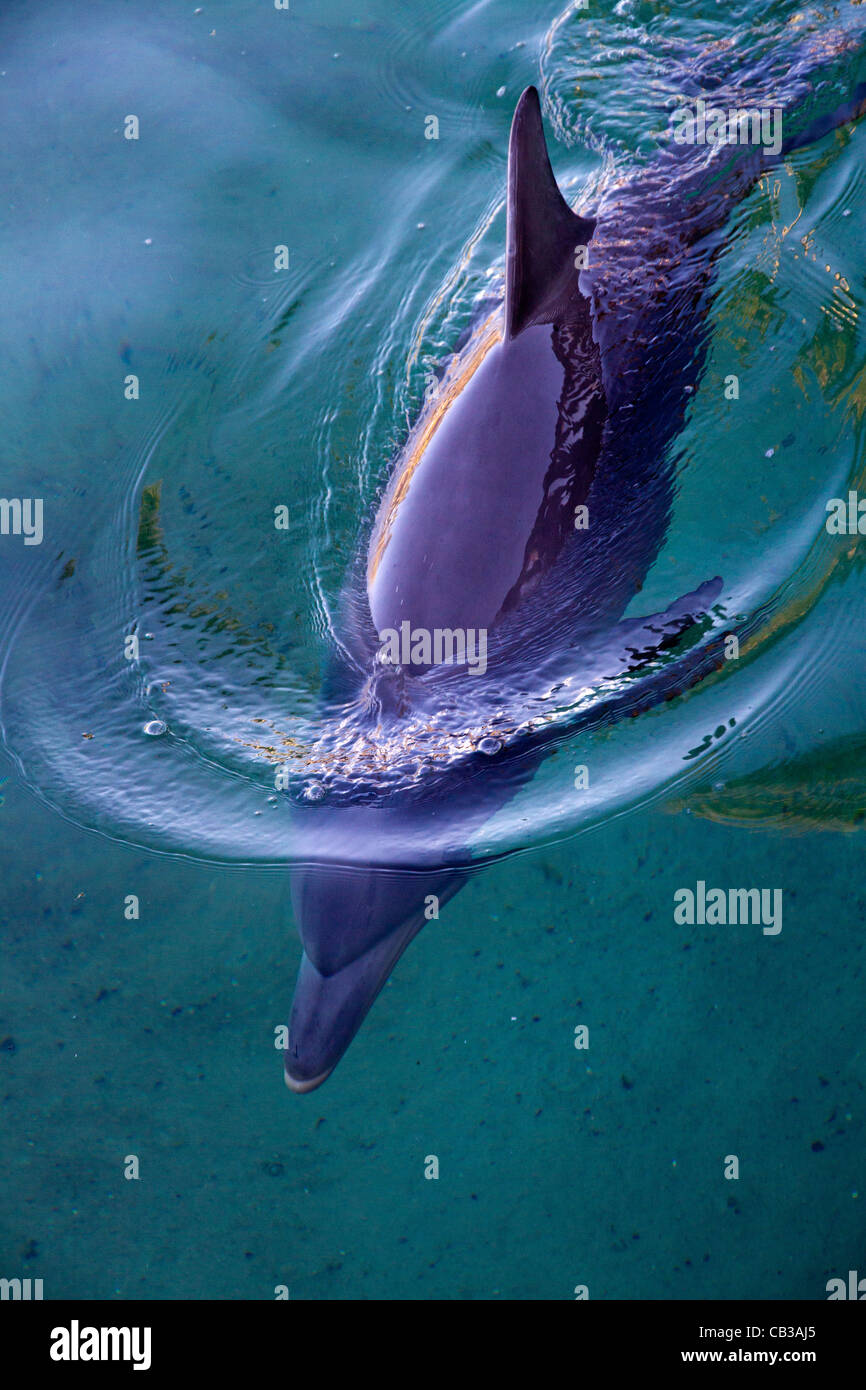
569 398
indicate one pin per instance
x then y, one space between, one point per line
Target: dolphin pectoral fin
695 603
687 610
543 233
646 639
328 1010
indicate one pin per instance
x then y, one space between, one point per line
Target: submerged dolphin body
570 401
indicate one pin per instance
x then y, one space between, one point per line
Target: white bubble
155 727
489 745
314 792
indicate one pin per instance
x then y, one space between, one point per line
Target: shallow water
155 1036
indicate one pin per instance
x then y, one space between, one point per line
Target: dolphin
521 518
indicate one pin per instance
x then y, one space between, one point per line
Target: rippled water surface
295 389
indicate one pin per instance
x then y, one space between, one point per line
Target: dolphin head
354 924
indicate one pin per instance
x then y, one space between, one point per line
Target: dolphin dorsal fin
543 232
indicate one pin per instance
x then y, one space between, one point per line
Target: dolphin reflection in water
523 514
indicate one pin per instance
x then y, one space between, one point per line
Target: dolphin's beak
355 925
300 1088
328 1010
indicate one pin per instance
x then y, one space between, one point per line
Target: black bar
227 1338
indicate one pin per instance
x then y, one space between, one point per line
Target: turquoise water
155 1036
